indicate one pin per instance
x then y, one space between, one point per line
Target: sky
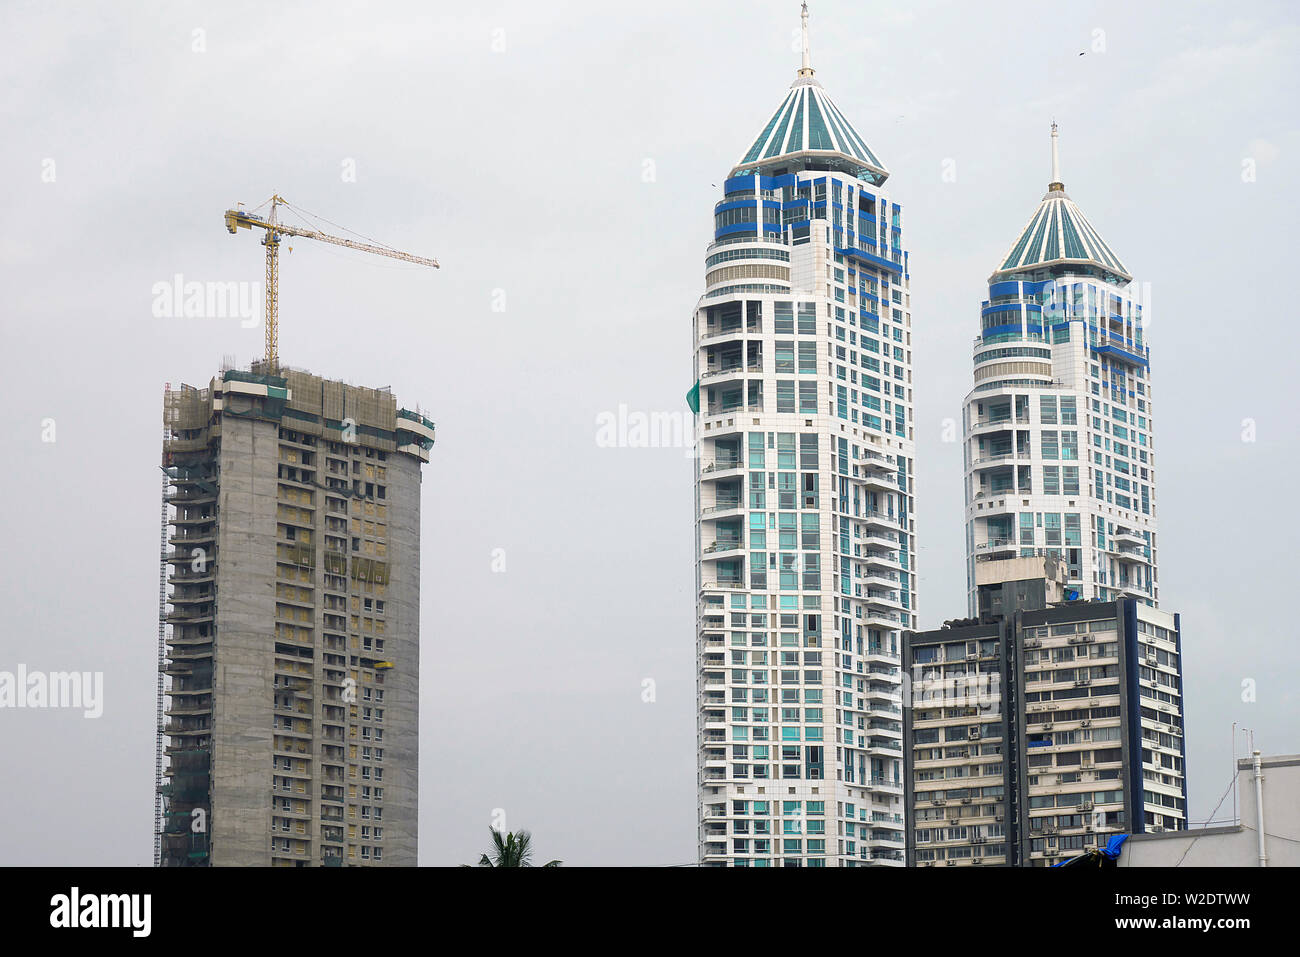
561 161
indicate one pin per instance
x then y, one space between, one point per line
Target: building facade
290 646
806 560
1059 451
1042 727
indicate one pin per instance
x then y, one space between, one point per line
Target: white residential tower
806 560
1059 455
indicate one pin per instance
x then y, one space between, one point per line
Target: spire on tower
1056 183
806 69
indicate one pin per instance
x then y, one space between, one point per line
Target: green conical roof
808 124
1059 233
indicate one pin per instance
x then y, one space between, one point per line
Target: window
784 358
807 397
785 395
1047 409
1051 448
807 358
1052 528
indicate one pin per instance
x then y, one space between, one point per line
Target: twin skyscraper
805 507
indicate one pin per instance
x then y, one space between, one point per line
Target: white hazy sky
511 142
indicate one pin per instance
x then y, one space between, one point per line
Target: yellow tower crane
239 219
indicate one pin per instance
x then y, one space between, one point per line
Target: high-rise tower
292 623
806 560
1059 456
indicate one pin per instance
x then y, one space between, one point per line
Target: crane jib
275 232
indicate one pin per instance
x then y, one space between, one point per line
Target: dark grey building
1042 727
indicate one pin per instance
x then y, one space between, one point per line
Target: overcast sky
559 159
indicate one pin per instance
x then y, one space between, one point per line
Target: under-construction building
289 653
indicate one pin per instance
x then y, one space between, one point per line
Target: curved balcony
876 535
722 548
184 597
179 617
886 560
874 518
722 469
882 579
180 656
997 548
719 376
883 748
191 496
876 461
878 617
1000 460
204 539
182 518
877 481
1132 588
185 556
883 709
726 585
183 640
988 426
184 710
715 336
1130 554
888 600
726 509
881 691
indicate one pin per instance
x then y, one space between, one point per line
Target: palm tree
513 850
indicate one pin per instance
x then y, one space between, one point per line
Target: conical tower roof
808 125
1059 234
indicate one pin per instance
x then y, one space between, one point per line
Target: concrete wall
1234 846
243 695
402 682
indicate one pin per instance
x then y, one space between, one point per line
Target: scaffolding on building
160 720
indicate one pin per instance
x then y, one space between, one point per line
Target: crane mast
237 219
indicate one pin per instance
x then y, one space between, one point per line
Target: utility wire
1226 792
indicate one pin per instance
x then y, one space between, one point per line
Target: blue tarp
1110 852
1113 846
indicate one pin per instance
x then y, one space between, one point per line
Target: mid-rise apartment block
1044 726
288 725
806 557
